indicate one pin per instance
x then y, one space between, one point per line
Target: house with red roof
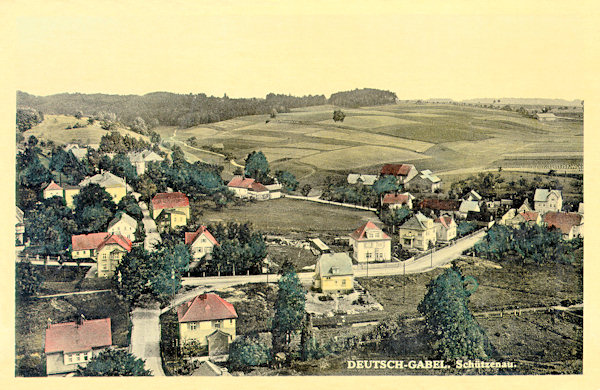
515 218
403 172
201 242
170 201
71 344
209 320
248 188
441 206
396 201
445 228
106 249
370 243
569 224
53 189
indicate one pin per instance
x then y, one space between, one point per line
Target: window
369 255
344 282
85 357
217 324
70 358
192 325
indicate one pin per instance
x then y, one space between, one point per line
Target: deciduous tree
114 362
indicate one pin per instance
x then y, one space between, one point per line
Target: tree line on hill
170 109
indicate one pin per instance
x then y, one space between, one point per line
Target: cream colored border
506 48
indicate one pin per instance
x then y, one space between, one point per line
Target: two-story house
418 233
124 225
569 224
370 244
248 188
425 181
53 189
114 185
445 228
71 344
170 201
201 242
209 320
333 273
545 200
140 160
106 249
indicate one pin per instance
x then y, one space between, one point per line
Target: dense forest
170 109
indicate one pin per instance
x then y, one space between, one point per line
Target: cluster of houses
248 188
406 174
114 185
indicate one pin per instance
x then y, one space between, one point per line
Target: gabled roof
542 194
165 200
530 216
334 264
446 221
396 169
240 182
368 180
97 241
525 206
52 186
472 195
359 234
417 221
428 175
440 204
469 205
202 231
562 221
104 179
130 221
206 307
257 187
144 155
397 198
71 337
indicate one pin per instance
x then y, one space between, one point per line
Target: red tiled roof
240 182
53 186
257 187
191 237
395 199
446 221
70 337
166 200
396 169
359 233
530 215
206 307
82 242
562 221
440 204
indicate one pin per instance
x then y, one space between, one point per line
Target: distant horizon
327 95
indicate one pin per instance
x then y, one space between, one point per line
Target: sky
454 49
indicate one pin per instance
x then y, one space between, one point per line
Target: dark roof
396 169
440 204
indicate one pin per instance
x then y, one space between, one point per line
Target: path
152 235
145 338
348 205
73 293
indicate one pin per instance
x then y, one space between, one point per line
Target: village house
396 201
472 196
545 200
426 181
78 151
333 273
545 117
114 185
52 190
445 228
367 180
124 225
71 344
441 206
69 192
201 242
247 188
170 219
210 320
274 190
105 248
514 218
141 159
403 172
569 224
170 201
418 232
370 244
19 228
524 207
468 206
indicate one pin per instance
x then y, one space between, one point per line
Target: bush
248 352
192 348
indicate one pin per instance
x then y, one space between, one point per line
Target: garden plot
357 302
360 156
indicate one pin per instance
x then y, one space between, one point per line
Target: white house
547 200
201 242
244 187
445 228
370 244
396 201
124 225
140 159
